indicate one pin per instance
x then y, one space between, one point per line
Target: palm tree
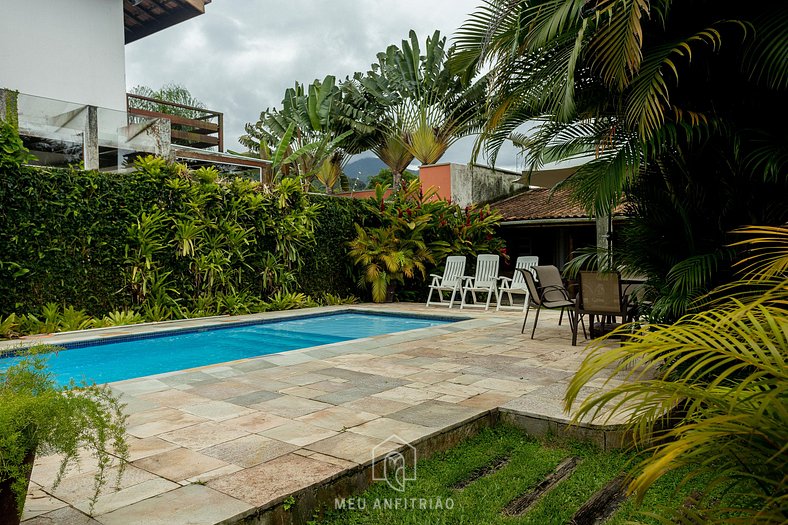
422 107
680 98
721 374
324 128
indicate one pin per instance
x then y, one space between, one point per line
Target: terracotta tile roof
541 203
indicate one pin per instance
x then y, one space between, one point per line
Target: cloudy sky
241 55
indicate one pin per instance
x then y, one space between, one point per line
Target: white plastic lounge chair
516 285
486 280
450 281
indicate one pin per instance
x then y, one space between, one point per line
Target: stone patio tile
63 516
222 371
303 391
224 390
324 458
149 446
452 399
349 394
344 373
252 365
134 404
39 502
337 418
202 435
158 421
252 398
540 406
404 394
192 504
504 385
453 389
488 400
376 405
263 384
217 410
435 414
383 428
187 378
290 406
110 500
288 358
332 385
306 379
446 367
298 433
249 451
256 422
431 376
356 448
274 479
179 464
80 488
140 386
173 398
45 468
213 474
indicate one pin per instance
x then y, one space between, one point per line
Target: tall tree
678 99
323 132
422 107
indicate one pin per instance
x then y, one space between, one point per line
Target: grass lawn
481 501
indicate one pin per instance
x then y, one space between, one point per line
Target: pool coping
191 325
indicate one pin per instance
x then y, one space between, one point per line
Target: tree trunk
390 289
10 513
396 181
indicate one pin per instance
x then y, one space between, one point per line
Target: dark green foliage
325 267
36 415
386 178
163 240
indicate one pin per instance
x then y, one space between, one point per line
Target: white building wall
69 50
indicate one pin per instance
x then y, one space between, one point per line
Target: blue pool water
107 361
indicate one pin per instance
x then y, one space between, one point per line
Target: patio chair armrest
506 282
467 279
435 275
555 288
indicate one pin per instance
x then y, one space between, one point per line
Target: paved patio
218 443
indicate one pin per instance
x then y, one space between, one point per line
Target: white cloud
241 55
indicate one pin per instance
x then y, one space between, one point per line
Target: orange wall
439 177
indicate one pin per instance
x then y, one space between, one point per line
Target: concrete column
8 107
162 134
603 236
90 146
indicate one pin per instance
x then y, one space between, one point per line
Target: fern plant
38 416
722 373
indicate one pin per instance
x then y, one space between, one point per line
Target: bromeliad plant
39 417
414 232
722 372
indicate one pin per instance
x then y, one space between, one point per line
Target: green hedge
104 241
326 268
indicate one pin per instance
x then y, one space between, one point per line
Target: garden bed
433 497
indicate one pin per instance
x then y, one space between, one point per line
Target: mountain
363 168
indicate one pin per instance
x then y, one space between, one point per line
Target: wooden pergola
145 17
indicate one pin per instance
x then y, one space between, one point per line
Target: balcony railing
191 126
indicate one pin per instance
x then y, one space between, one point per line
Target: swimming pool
127 357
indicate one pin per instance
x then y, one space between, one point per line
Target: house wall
469 184
67 50
437 176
